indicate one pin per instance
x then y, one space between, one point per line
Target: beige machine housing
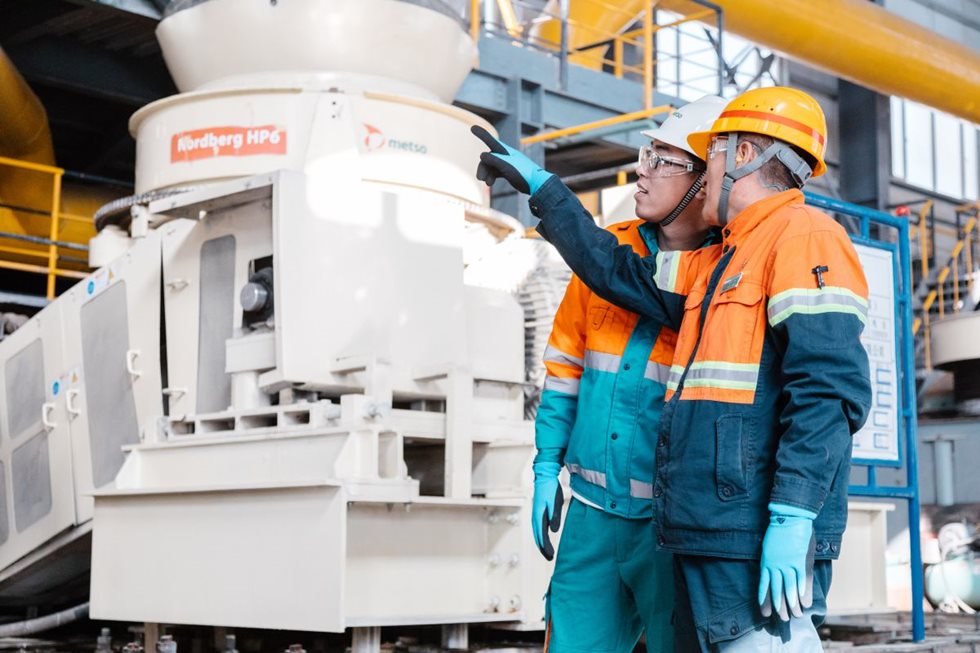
327 431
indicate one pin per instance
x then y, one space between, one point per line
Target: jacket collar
738 229
650 231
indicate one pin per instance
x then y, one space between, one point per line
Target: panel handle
131 357
46 410
70 403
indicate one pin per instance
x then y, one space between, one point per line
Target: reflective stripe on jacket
606 375
769 380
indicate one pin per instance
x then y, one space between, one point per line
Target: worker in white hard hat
607 374
770 379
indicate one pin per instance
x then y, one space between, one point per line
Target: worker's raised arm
653 286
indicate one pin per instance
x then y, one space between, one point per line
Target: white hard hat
693 117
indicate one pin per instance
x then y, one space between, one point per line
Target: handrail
579 39
962 248
51 243
595 124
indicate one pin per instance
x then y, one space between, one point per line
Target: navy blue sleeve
826 381
614 272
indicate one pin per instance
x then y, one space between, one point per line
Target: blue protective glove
522 173
546 506
787 562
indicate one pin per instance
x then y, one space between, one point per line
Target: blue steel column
908 415
911 439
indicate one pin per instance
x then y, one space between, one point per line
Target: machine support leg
456 636
151 635
366 640
459 443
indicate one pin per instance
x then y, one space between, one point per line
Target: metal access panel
112 352
434 562
35 446
304 556
207 258
267 556
362 273
359 274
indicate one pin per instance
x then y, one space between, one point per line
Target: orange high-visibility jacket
770 379
606 374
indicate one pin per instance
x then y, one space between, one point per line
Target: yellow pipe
864 43
30 179
25 137
25 134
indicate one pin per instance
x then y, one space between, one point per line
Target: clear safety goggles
666 166
716 146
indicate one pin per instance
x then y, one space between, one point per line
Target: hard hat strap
798 168
688 196
729 179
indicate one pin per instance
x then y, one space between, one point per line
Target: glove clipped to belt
546 506
504 162
786 582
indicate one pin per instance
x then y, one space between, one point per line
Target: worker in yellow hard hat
602 397
769 379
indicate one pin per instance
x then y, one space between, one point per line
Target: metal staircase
946 260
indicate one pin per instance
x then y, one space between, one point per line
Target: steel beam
92 71
144 8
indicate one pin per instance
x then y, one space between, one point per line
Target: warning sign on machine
227 141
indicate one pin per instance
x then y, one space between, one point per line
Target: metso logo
375 139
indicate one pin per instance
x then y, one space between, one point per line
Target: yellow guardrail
596 124
590 29
960 261
49 251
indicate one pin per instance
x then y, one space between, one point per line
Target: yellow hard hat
785 114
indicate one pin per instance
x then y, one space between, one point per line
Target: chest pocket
597 316
736 321
688 335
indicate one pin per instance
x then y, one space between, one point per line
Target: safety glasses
666 166
717 145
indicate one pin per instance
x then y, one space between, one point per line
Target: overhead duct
866 44
24 135
854 39
26 195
